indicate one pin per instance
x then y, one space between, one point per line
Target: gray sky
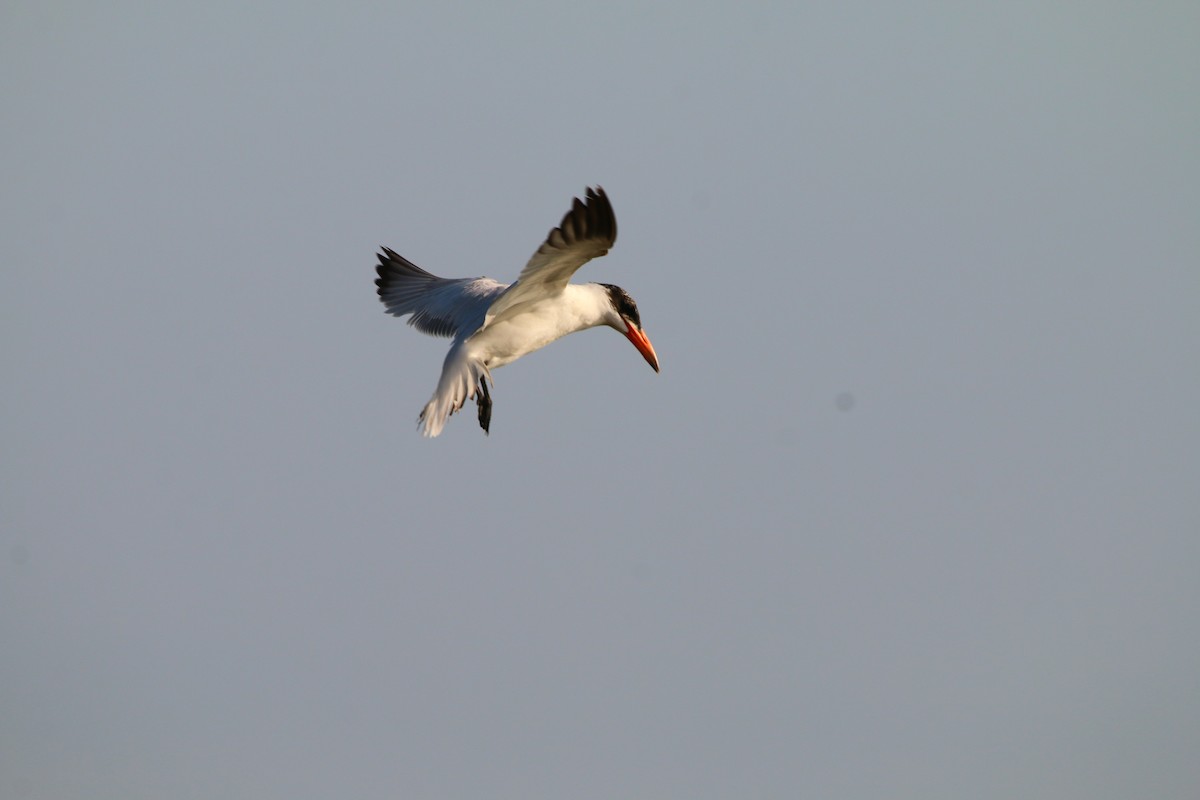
230 567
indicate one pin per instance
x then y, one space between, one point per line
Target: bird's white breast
538 324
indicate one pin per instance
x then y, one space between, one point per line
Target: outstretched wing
439 306
587 231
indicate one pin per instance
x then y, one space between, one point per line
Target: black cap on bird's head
623 303
627 310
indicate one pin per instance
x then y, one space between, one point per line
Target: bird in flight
493 324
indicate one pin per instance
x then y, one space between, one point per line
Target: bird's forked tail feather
463 378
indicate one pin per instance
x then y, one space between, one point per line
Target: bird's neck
590 303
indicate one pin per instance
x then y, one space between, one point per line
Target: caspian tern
494 324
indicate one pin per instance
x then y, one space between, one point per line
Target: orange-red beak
642 343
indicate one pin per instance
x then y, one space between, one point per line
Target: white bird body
494 324
577 308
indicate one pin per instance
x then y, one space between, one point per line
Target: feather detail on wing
587 231
439 306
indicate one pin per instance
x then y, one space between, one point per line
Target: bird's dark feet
484 400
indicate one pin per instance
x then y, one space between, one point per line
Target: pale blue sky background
230 567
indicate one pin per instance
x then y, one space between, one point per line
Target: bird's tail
463 378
